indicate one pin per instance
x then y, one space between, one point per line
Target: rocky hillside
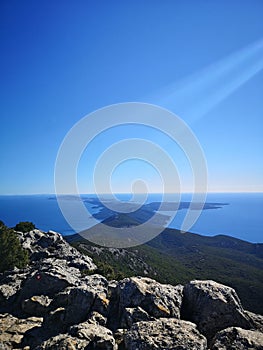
176 258
60 302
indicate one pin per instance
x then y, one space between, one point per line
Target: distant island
144 213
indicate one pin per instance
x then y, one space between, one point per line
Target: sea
239 215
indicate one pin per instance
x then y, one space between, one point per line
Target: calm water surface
241 217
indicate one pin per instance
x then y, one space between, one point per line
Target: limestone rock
85 335
235 338
164 333
81 312
98 336
10 286
72 306
51 244
37 305
158 300
55 265
132 315
257 320
78 302
213 307
47 279
98 285
97 319
13 329
63 342
51 277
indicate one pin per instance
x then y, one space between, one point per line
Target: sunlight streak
216 83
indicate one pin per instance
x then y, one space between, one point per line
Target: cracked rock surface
52 304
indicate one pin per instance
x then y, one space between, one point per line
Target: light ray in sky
197 94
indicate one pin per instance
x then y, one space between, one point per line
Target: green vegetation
121 220
105 266
176 258
108 271
224 259
11 252
24 226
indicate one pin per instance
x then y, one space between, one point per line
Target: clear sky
61 60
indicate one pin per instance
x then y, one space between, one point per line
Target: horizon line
117 193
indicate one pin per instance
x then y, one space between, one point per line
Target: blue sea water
241 216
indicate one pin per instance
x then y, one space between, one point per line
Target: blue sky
61 60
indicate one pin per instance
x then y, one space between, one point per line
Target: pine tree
24 226
11 252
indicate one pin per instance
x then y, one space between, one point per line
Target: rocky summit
59 302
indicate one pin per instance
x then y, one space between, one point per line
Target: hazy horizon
116 193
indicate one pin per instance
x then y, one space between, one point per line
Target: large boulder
46 279
63 342
156 299
236 338
164 333
99 286
49 278
71 306
78 302
85 335
213 307
98 336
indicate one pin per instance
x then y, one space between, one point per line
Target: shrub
11 252
25 226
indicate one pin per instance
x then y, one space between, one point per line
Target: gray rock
13 329
36 240
257 320
10 286
98 336
47 279
97 319
76 309
51 277
54 266
38 305
63 342
132 315
119 335
51 244
86 335
5 346
164 333
74 305
213 307
98 285
235 338
158 300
